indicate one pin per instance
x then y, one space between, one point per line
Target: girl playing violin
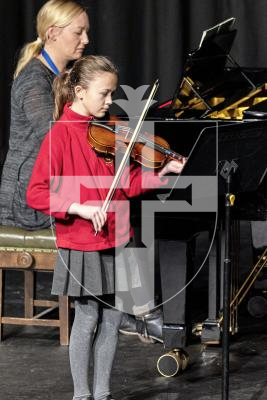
70 182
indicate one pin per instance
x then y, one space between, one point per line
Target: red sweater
68 170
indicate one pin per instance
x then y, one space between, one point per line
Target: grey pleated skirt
79 273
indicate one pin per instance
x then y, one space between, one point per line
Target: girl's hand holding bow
95 214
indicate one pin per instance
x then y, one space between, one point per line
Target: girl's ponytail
63 93
28 52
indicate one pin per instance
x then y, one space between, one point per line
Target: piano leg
211 328
211 331
176 261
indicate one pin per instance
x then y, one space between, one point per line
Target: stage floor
33 366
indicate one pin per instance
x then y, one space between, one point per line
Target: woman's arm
33 92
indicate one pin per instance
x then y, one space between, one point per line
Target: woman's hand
173 166
95 214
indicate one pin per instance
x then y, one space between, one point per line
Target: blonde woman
62 34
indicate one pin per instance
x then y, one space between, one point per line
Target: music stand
239 159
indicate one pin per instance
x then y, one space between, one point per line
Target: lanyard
50 62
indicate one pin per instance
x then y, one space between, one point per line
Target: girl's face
69 42
97 98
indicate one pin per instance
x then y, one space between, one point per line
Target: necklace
50 62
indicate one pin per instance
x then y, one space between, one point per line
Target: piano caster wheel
172 363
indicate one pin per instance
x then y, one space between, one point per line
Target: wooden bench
31 251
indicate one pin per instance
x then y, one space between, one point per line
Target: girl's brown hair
82 73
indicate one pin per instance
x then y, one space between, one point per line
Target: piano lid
211 80
222 27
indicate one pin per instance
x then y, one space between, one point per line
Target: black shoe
149 326
128 325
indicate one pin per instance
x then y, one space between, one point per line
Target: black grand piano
215 95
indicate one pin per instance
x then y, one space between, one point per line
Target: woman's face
97 98
71 40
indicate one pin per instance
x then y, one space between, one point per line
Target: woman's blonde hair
58 13
83 72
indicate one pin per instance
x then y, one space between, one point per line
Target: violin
149 150
106 144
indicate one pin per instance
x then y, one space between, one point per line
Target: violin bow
129 148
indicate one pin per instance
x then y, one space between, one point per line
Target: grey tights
89 314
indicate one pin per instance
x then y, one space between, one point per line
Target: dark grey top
31 112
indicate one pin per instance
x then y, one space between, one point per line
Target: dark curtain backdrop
146 38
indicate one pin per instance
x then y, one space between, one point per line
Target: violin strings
151 143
